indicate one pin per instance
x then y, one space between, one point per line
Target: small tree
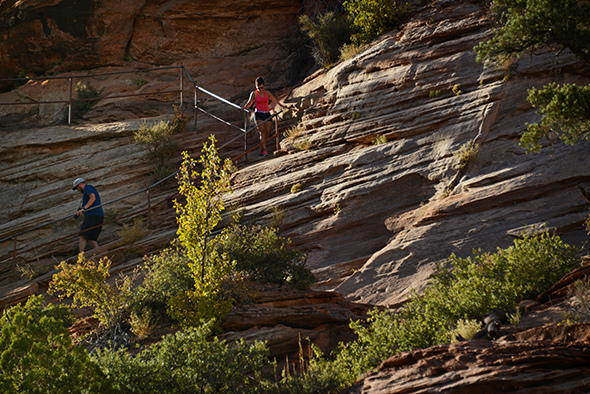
86 283
37 354
566 113
373 17
198 215
328 33
528 25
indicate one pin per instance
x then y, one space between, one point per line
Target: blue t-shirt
88 190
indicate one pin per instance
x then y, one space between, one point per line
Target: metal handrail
245 131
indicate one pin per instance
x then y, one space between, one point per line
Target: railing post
277 132
70 101
181 91
245 137
195 106
14 259
149 210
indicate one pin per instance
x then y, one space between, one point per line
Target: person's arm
91 200
272 98
250 101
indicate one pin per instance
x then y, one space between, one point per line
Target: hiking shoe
263 154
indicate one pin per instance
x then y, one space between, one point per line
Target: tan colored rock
549 360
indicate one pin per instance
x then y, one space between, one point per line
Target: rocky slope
374 218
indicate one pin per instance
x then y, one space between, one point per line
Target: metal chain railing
244 134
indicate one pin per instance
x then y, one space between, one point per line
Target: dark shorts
262 115
89 222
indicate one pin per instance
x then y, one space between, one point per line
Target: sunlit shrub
264 256
188 361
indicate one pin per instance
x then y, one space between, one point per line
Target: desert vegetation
195 280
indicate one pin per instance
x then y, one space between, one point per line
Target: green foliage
86 93
329 33
296 188
466 289
166 276
86 283
466 329
37 355
157 139
380 140
139 82
348 51
186 362
457 89
434 93
133 231
527 25
373 17
198 215
467 152
566 113
264 256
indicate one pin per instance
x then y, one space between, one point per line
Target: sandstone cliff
374 218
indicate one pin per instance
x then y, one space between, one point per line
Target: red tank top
261 102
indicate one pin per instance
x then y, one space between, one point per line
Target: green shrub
37 354
86 283
157 139
380 140
329 33
139 81
466 329
264 256
133 231
434 93
166 275
86 93
565 114
467 152
457 89
186 362
464 289
373 17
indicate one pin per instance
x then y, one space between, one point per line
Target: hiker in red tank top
261 99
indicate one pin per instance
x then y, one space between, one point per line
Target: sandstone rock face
54 36
375 218
551 360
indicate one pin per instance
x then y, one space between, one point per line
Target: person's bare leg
94 244
265 134
82 245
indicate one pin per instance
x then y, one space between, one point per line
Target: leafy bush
565 114
373 17
527 25
86 283
466 289
86 93
133 231
264 256
329 33
466 329
157 139
464 154
166 275
37 354
186 362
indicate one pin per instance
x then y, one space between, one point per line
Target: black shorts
89 222
262 115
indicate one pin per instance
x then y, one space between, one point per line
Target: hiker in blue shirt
93 217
